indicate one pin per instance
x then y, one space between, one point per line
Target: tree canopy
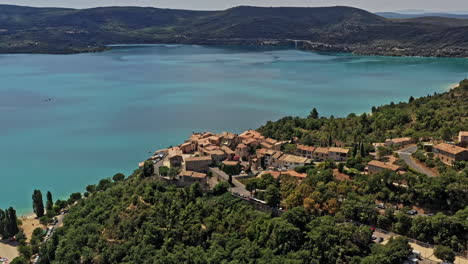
439 115
138 221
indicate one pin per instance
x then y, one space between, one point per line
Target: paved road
59 221
238 187
405 154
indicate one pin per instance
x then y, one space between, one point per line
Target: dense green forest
439 116
344 29
321 194
143 221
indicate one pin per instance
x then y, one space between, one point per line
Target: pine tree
314 114
38 204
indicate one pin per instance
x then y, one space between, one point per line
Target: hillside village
249 160
250 154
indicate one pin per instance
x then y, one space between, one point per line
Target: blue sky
371 5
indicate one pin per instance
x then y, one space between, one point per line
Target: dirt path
29 224
8 250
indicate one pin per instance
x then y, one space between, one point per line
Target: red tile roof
384 165
452 149
305 148
338 150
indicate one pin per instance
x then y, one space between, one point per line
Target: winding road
405 154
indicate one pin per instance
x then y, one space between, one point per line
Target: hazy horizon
450 6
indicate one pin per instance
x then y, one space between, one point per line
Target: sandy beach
9 249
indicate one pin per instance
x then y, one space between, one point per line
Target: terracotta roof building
293 161
230 163
217 155
320 154
251 142
229 139
398 141
266 145
267 156
242 151
198 164
338 154
251 134
229 152
376 166
214 140
305 151
463 136
175 157
449 154
189 177
271 141
187 147
277 174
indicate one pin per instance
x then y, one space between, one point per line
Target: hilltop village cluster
252 153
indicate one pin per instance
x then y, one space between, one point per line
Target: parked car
412 212
380 206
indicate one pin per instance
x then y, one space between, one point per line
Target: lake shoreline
273 43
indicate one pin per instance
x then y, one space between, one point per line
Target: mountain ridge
338 28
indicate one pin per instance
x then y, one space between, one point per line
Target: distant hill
405 15
445 21
342 29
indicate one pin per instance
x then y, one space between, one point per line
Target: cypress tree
362 150
11 225
2 223
354 150
38 204
49 203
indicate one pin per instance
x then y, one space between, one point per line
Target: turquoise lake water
109 109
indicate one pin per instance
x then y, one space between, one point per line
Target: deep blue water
109 109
